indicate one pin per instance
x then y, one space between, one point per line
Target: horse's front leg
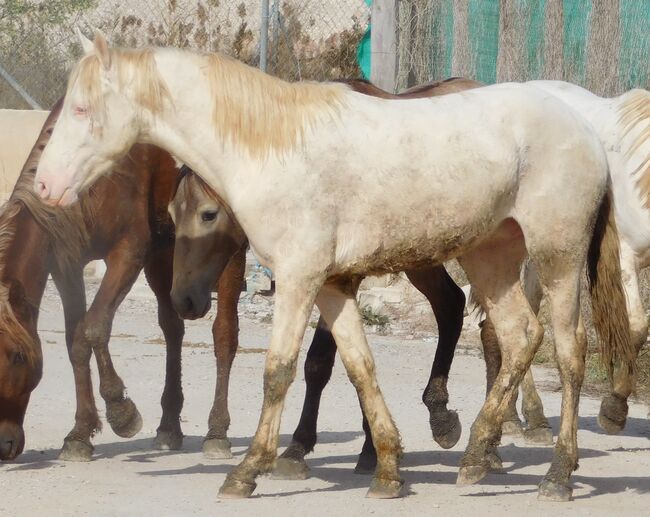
123 264
294 300
338 306
77 445
158 270
225 334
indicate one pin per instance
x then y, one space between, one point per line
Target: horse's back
19 129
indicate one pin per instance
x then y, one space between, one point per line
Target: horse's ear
86 44
101 48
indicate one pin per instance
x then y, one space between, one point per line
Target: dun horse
284 156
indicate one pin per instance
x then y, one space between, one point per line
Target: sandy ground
128 477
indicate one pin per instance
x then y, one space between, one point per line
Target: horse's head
100 119
207 237
21 367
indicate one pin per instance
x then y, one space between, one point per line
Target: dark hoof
235 489
217 448
512 428
367 463
451 436
613 413
470 475
554 492
290 469
75 450
539 436
124 418
494 462
385 489
168 441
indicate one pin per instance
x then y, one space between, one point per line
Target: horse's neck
26 262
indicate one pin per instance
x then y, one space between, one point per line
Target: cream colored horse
18 132
329 184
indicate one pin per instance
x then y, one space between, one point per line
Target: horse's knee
278 376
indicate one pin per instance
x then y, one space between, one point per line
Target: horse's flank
634 120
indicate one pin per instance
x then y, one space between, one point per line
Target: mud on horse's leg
318 370
225 333
448 303
158 271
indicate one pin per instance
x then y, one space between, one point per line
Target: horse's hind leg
448 303
493 270
318 370
158 271
613 410
77 445
225 333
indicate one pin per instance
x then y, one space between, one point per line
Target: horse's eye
80 111
209 215
19 358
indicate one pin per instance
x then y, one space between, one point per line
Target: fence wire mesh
306 39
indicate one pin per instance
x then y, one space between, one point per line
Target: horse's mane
634 121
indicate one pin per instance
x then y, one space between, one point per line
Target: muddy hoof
613 413
494 462
168 441
512 428
124 418
451 435
236 489
539 436
75 450
290 469
470 475
385 489
366 464
554 492
217 448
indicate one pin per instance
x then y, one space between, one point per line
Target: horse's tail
607 295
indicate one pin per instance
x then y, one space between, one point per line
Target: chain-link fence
307 39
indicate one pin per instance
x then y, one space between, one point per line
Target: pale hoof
290 469
613 414
385 489
217 448
75 450
512 428
554 492
168 441
470 475
494 462
367 463
124 418
451 437
235 489
539 436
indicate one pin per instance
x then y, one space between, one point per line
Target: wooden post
383 43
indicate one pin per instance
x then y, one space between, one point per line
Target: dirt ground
128 477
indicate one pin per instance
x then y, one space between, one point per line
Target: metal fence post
264 35
383 43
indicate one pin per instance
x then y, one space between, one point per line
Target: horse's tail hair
607 295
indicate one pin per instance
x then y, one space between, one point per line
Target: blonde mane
634 121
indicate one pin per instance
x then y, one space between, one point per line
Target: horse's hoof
168 441
494 462
290 469
470 475
385 489
539 436
554 492
124 418
236 489
512 428
366 464
217 448
75 450
613 413
451 437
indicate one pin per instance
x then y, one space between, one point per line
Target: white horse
329 184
